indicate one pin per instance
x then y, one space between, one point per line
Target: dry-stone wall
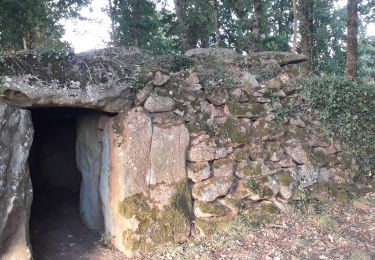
245 149
194 142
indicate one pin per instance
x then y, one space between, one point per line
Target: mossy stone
212 226
258 186
285 178
241 155
317 157
252 170
211 208
251 109
157 226
230 130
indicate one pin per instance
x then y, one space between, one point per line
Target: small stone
239 95
298 154
192 79
270 117
160 79
280 94
248 80
194 140
274 84
156 103
223 167
211 189
141 97
297 122
275 157
196 87
205 151
218 97
308 174
257 94
198 172
263 100
286 163
210 209
179 112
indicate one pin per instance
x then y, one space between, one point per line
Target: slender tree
216 8
111 13
295 26
352 40
181 7
255 43
306 29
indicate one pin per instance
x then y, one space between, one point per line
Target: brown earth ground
313 231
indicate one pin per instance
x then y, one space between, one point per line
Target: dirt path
57 233
330 231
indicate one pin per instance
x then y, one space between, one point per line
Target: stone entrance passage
59 227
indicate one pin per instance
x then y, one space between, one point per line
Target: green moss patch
230 130
249 110
285 178
157 226
210 227
211 208
258 186
252 170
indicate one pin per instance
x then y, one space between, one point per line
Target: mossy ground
335 231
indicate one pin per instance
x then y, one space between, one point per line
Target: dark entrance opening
56 229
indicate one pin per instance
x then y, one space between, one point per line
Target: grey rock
206 151
16 136
248 80
141 97
298 154
89 162
155 104
199 171
143 163
160 79
223 167
211 189
224 55
282 58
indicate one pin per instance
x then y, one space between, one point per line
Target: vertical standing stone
143 186
16 135
89 161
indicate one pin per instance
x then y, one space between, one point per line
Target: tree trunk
255 44
181 8
352 41
217 23
306 29
295 26
112 17
24 43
